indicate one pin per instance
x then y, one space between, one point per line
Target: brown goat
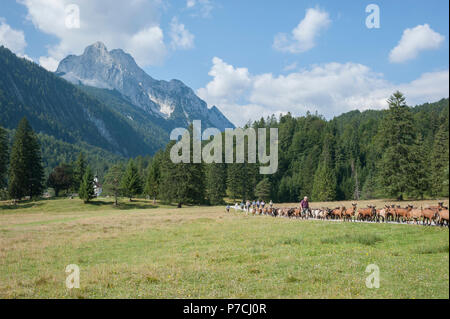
366 213
402 214
443 217
337 212
349 213
429 215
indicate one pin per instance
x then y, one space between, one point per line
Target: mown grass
204 252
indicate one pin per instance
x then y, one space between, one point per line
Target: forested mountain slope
57 108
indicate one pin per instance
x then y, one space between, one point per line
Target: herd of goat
393 213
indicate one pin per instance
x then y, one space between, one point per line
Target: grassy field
144 251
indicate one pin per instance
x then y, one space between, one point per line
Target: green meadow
141 250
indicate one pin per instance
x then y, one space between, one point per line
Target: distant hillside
59 109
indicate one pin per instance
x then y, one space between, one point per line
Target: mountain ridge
171 101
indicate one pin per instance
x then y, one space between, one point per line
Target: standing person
304 205
228 208
247 205
257 203
254 204
271 204
263 204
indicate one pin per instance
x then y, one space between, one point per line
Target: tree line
400 153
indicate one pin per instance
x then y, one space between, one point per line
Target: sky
254 58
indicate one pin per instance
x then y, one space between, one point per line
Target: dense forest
400 153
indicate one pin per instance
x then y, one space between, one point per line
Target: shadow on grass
364 239
134 205
432 250
292 241
20 205
125 205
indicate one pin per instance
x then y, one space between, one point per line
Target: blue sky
254 58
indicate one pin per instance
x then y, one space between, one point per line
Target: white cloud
330 89
132 26
413 41
12 39
290 67
181 37
147 46
201 8
228 84
48 63
190 3
303 37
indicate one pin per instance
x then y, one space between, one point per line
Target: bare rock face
171 101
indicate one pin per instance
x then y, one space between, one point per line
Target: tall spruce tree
113 180
151 188
79 170
26 174
325 184
131 181
235 180
370 187
396 138
182 183
4 156
440 162
324 187
86 191
420 177
262 189
215 183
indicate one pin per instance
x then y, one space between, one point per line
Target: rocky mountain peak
172 101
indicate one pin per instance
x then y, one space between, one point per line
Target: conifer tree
131 181
370 187
26 174
262 190
113 181
324 187
86 191
215 182
325 184
79 170
4 156
440 162
153 179
420 172
235 180
182 183
397 137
